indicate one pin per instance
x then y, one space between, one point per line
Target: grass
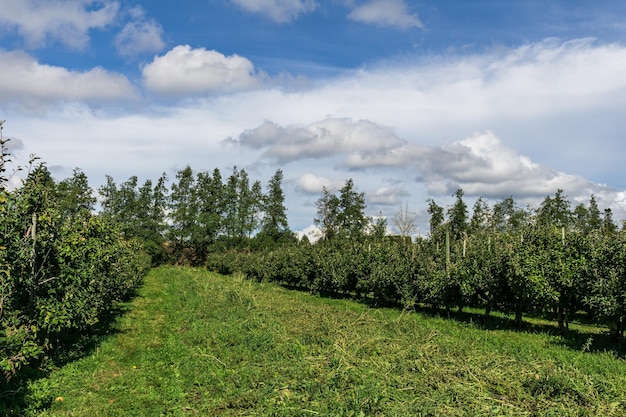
194 343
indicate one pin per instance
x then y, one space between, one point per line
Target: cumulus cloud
140 35
23 79
310 183
280 11
389 13
557 108
67 21
480 164
326 138
386 196
185 70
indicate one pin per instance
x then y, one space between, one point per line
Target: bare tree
405 220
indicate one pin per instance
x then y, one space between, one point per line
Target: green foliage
60 266
274 223
343 214
607 279
505 259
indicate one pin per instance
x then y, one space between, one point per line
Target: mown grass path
194 343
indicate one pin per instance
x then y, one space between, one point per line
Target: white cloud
184 70
390 13
480 164
66 21
325 138
312 233
23 79
280 11
386 196
556 108
313 184
140 35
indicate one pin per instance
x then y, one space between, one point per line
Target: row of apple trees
555 259
61 266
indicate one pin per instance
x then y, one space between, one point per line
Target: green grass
194 343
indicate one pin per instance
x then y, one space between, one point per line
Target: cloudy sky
410 99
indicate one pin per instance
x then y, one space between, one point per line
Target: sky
410 99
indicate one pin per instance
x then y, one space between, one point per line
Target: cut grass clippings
195 343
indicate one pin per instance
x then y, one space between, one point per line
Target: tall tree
231 208
508 216
183 207
436 217
608 225
595 217
328 207
254 209
243 205
352 217
108 194
211 205
481 216
555 211
274 223
342 214
457 216
75 195
159 205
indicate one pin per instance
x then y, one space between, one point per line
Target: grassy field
194 343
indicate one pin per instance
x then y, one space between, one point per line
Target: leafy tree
328 208
377 229
120 204
342 215
608 225
138 211
211 206
555 211
457 216
607 279
481 216
183 210
76 197
508 216
108 194
274 223
594 216
254 206
352 217
150 218
587 219
232 225
436 217
243 205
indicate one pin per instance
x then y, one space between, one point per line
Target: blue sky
411 99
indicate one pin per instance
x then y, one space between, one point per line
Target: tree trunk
561 317
487 311
518 315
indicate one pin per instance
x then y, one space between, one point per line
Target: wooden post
448 252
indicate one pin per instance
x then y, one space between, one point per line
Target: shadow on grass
575 339
67 347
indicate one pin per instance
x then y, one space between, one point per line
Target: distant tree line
552 260
198 213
